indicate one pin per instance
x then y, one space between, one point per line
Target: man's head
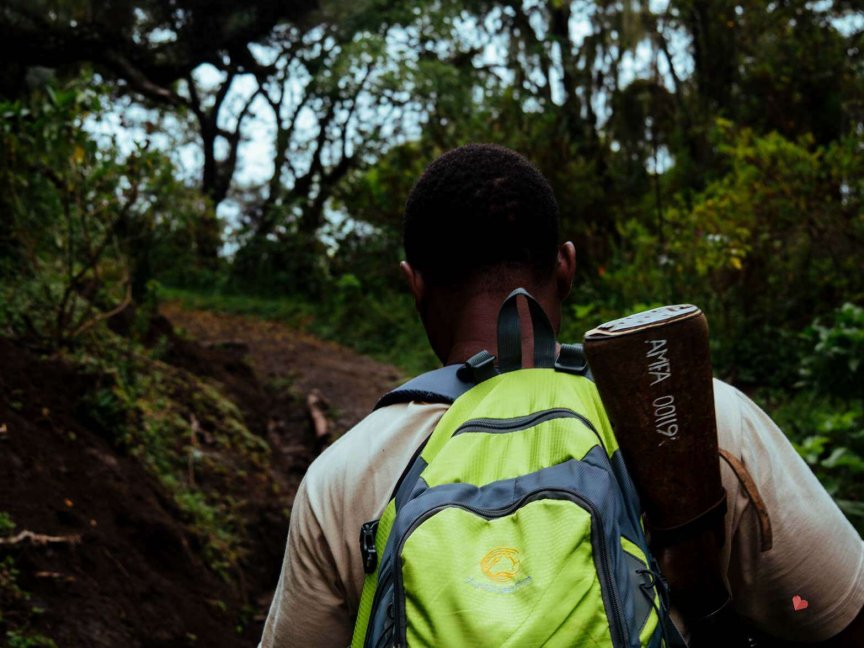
476 210
481 221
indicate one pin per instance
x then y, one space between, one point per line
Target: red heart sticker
799 603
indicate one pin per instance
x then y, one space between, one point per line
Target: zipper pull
367 546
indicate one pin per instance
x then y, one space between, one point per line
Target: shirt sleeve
810 585
308 607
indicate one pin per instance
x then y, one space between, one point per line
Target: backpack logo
501 564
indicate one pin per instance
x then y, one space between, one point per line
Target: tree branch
39 539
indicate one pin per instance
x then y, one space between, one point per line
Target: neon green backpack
517 524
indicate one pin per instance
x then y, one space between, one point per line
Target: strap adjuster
572 360
367 546
477 368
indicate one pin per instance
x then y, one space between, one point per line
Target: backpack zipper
616 627
524 422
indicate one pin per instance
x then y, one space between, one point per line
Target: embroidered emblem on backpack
501 564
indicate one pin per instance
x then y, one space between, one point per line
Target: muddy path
282 357
126 568
287 366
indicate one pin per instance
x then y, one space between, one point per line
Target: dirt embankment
127 571
349 383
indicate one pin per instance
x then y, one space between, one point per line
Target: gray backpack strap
442 385
448 383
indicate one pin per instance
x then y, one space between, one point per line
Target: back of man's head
478 211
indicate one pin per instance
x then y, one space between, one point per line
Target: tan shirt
817 555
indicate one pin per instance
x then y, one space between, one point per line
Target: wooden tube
653 372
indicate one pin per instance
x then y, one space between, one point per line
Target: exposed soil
135 577
350 383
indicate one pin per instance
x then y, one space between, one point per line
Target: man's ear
565 269
415 281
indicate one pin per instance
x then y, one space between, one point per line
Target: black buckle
477 368
572 360
367 546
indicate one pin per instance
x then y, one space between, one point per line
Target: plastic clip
478 368
572 360
367 546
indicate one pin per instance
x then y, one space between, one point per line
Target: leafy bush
836 366
829 436
772 242
80 222
825 419
7 525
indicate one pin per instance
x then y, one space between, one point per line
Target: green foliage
80 221
379 323
296 264
7 525
836 366
184 431
382 324
828 433
825 418
801 76
16 611
771 243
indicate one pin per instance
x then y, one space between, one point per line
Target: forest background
254 157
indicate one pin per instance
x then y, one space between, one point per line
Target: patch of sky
161 36
264 54
536 17
580 24
850 24
660 162
338 224
137 35
555 77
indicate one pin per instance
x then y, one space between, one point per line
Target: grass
185 432
384 327
16 610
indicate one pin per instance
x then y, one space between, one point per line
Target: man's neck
475 327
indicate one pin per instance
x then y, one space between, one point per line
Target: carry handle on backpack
446 384
510 335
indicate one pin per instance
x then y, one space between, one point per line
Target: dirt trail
279 355
287 365
134 575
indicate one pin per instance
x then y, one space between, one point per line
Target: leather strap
766 534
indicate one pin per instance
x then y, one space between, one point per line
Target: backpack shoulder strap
448 383
442 385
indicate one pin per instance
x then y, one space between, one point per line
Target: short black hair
477 208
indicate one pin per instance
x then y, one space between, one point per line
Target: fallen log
316 405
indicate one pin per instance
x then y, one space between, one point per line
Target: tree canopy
701 150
